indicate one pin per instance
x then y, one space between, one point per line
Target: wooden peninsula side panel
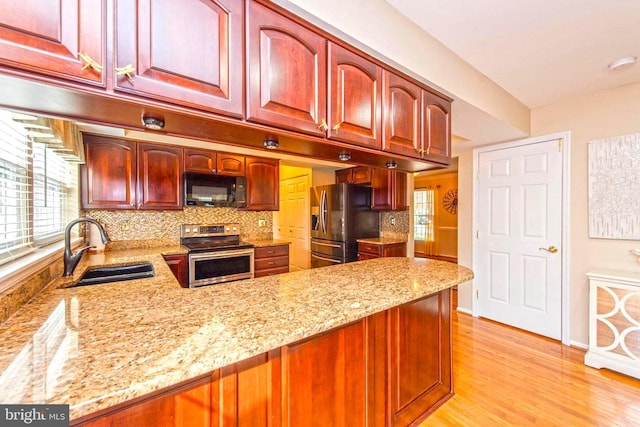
392 368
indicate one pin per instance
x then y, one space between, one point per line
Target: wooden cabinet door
399 191
286 74
109 175
436 118
159 177
388 190
199 161
49 36
354 98
381 190
344 175
419 357
185 52
179 265
325 379
189 405
230 164
361 175
401 116
263 184
247 393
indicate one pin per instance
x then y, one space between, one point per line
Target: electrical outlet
393 221
124 225
262 223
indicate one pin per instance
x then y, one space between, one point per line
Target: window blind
15 189
38 190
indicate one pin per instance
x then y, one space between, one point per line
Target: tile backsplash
165 225
400 226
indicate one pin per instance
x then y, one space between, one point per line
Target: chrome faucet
71 260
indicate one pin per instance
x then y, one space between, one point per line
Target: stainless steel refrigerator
340 214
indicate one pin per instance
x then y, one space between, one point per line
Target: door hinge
560 145
478 175
477 294
477 234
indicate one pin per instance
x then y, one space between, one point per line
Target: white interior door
519 263
297 201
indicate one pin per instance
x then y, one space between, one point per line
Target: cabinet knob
90 63
126 71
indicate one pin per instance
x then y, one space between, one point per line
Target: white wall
599 115
465 224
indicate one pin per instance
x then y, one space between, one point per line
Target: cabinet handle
323 125
90 63
126 71
336 127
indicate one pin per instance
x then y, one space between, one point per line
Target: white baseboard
464 310
579 345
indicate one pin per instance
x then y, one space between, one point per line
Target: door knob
551 249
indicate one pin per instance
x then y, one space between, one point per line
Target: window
423 214
38 190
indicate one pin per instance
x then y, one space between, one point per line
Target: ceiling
540 51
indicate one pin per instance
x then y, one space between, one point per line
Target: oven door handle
221 254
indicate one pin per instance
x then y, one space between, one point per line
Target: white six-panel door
519 263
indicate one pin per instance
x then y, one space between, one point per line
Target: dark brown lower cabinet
188 405
179 265
390 369
326 379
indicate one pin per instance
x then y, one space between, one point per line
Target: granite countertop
382 240
95 346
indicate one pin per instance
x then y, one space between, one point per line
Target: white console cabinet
614 321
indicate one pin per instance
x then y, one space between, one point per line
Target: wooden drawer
370 248
265 263
271 251
271 271
362 256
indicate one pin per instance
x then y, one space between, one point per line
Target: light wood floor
506 377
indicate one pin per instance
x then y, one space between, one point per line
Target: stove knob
235 228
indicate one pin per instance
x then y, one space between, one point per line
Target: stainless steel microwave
214 190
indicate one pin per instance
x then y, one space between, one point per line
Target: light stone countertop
96 346
382 240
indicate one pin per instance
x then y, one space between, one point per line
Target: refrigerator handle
323 211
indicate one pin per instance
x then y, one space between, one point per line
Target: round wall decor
450 201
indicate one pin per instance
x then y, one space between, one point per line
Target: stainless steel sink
115 273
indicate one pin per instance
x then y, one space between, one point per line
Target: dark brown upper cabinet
159 177
401 116
60 38
354 98
388 190
230 164
183 52
211 162
109 173
199 161
263 184
436 117
286 72
417 123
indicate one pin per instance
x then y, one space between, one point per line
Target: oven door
218 267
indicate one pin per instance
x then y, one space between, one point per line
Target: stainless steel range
216 253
